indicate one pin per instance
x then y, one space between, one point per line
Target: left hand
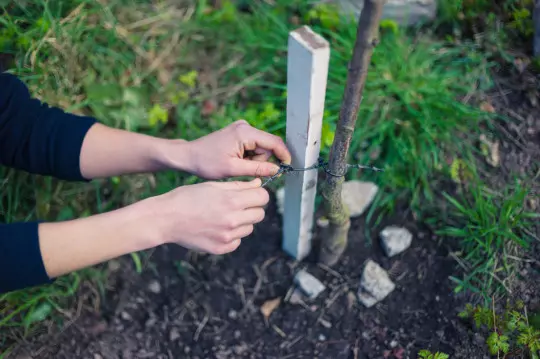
236 150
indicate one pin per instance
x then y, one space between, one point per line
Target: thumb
253 168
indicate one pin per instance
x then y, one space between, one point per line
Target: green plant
426 354
490 227
510 331
522 21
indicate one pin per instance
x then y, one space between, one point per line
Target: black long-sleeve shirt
39 139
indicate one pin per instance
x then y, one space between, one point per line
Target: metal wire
286 169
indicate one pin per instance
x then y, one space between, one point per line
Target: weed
491 227
426 354
510 332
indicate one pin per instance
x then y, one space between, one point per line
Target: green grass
493 229
183 69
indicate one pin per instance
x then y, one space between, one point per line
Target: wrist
175 154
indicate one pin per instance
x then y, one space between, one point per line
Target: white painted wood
307 73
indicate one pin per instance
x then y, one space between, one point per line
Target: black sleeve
21 264
42 140
37 138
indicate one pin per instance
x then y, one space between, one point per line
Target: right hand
212 217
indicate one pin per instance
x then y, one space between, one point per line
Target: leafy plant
510 331
426 354
327 14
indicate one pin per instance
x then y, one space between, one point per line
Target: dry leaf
491 151
269 306
487 107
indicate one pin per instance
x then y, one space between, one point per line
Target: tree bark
335 241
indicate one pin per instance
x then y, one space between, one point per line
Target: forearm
109 152
72 245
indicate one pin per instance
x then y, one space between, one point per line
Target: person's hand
211 217
236 150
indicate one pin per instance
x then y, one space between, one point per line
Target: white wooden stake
307 72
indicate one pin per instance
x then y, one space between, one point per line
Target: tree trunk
335 241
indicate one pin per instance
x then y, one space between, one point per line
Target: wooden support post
307 73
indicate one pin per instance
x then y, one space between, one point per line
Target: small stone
310 285
240 349
187 350
375 284
174 334
237 334
395 240
97 356
125 316
322 337
437 298
114 265
154 287
357 196
233 314
393 344
280 199
150 322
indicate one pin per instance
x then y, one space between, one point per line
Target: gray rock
375 284
154 287
174 334
310 285
358 195
404 12
233 314
395 240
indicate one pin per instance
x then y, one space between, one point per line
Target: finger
242 167
240 185
261 155
250 198
267 141
243 232
226 247
251 216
